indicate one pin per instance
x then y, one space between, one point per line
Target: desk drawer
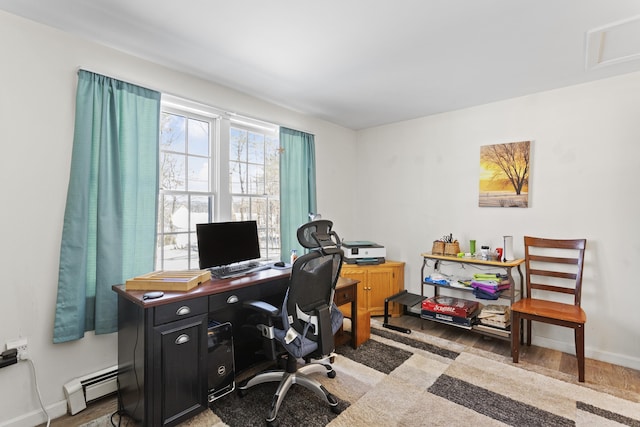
232 298
180 310
344 295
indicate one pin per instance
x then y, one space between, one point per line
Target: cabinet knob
184 338
183 310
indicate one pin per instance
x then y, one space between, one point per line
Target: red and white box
451 306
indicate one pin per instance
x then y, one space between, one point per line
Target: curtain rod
221 111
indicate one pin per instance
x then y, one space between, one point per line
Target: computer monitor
224 243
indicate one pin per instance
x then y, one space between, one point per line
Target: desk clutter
448 246
483 285
183 280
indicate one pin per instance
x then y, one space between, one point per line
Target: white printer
363 252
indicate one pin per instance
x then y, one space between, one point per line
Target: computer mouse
279 264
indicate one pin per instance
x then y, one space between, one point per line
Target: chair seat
550 309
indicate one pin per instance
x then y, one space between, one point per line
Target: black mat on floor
300 407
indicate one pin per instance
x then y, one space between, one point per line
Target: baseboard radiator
82 391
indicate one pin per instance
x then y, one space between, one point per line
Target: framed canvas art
504 175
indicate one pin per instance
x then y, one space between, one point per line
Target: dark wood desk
162 343
347 293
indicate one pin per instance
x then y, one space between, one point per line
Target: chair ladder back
552 264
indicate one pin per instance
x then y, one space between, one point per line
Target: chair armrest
325 334
262 307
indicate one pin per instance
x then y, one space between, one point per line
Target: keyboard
229 271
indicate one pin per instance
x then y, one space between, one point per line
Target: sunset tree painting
504 175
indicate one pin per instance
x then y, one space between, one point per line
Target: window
254 182
186 197
214 168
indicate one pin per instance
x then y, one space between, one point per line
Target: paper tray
168 280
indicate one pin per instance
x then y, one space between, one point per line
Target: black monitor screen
224 243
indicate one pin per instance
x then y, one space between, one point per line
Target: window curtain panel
297 186
109 226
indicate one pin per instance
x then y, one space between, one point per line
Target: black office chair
308 320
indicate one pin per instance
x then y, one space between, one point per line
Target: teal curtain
297 186
110 217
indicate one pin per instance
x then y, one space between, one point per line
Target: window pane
172 173
172 136
272 166
198 137
176 215
240 208
238 177
176 257
238 145
201 208
259 210
256 179
198 173
256 148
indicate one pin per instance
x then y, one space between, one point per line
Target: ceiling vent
613 43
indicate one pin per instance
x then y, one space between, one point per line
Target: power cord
35 381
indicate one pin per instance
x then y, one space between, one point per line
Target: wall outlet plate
19 344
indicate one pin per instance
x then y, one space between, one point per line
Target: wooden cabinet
377 282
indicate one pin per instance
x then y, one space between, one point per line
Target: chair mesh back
314 275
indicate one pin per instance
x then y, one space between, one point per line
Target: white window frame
220 127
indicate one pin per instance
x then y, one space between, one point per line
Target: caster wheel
331 374
242 393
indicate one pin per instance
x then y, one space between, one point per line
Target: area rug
395 379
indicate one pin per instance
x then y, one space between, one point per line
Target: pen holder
451 249
438 248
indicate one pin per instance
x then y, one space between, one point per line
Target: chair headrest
318 235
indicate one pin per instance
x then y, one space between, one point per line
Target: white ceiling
362 63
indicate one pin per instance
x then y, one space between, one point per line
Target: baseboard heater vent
84 390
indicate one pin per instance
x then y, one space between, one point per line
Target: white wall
418 180
38 75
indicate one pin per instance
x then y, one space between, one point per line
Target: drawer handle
184 338
183 310
232 299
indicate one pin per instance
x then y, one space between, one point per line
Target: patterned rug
396 379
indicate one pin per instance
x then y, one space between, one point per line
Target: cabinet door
359 274
380 286
180 350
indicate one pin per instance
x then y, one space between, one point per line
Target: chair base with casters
544 273
293 375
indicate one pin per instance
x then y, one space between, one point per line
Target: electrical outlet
19 344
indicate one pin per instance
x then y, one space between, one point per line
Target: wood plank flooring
597 372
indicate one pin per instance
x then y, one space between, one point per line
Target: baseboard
37 417
604 356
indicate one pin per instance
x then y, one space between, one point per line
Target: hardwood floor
624 380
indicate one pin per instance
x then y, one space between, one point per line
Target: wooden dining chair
553 266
